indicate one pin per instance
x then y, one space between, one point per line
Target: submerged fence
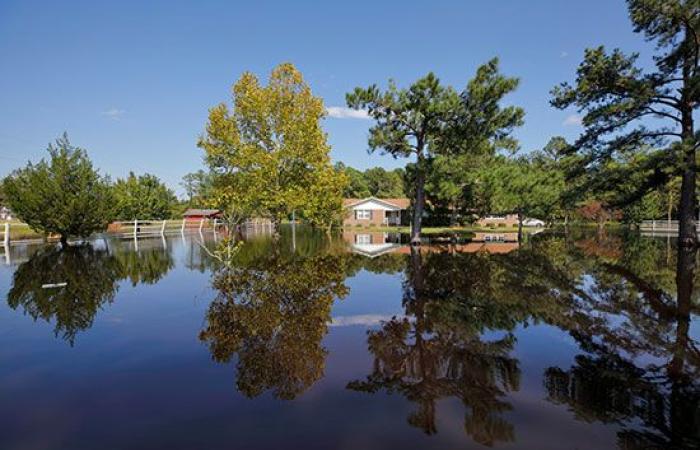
17 232
661 227
138 228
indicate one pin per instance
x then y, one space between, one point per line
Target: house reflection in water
373 244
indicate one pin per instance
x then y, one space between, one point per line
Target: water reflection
623 311
622 300
638 361
272 311
66 287
441 350
145 261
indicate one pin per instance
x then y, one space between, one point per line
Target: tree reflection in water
628 302
91 280
439 350
91 276
147 265
272 311
639 363
620 297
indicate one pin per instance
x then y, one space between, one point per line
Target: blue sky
131 81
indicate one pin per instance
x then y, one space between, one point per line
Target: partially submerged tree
143 197
429 119
621 102
265 154
64 195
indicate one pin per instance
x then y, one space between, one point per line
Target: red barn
192 214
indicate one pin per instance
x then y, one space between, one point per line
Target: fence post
162 228
136 227
653 225
201 224
182 230
6 239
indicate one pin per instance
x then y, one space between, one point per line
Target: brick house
375 211
506 220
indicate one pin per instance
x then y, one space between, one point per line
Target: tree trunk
520 226
685 275
64 241
419 203
687 233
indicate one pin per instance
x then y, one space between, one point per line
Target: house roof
401 203
201 212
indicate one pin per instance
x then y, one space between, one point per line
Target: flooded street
564 341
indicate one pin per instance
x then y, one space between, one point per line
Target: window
363 239
363 214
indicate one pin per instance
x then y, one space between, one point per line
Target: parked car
533 223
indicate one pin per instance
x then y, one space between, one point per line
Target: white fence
661 226
138 228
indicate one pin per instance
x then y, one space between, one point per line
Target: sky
131 81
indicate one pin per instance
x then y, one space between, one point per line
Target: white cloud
341 112
573 120
563 54
113 113
367 320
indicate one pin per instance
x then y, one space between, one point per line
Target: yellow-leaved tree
268 153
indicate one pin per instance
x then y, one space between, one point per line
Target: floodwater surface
573 340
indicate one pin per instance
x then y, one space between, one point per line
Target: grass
20 231
437 230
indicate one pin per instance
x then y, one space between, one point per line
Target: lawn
438 230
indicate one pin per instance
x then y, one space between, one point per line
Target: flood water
565 341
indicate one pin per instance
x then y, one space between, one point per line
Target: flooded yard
565 341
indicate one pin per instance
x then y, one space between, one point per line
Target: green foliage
428 120
385 183
375 182
627 110
357 186
198 187
522 185
64 195
650 206
143 197
268 155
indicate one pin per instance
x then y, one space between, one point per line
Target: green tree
453 188
384 183
356 186
522 186
429 119
265 153
618 97
143 197
65 195
324 206
198 186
